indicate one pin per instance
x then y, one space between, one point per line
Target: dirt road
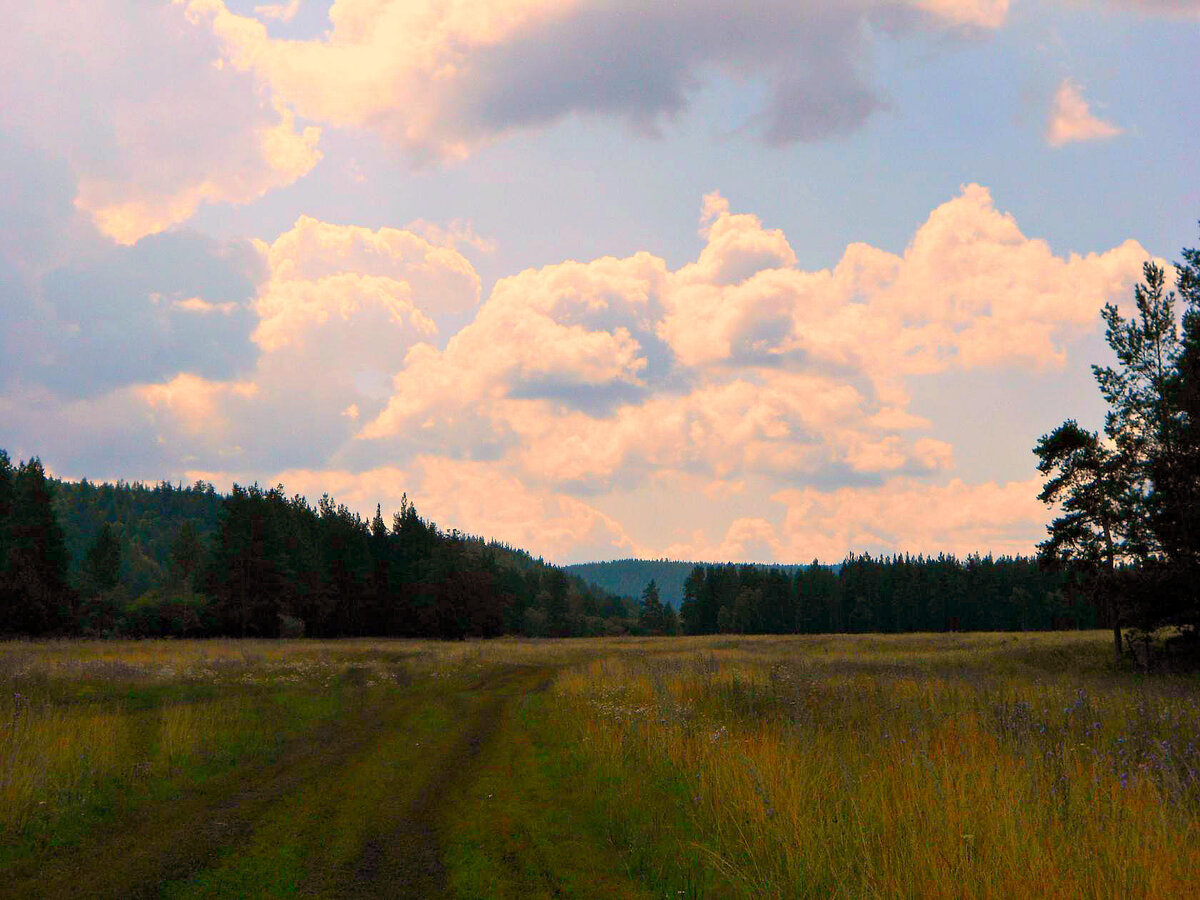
355 808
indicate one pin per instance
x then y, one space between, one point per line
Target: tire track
169 842
409 862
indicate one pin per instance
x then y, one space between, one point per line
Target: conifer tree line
881 594
186 561
81 558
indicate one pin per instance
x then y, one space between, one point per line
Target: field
844 766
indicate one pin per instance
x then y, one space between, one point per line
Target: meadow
725 766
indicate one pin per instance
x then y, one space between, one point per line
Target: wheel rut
408 861
169 842
173 842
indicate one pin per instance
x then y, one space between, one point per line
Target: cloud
330 320
439 275
194 402
485 499
756 400
452 235
441 79
479 498
172 303
151 121
565 330
284 12
1071 120
905 515
969 290
594 375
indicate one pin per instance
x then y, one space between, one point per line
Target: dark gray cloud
174 302
38 220
642 60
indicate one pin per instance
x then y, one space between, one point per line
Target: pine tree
690 614
1098 527
8 599
1130 529
650 615
555 603
103 561
38 598
186 555
1175 500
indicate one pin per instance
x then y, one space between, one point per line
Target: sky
700 279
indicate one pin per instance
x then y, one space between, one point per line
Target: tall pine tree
1130 528
37 599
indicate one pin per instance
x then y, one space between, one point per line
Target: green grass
918 765
528 825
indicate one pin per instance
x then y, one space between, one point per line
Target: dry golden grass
912 766
916 765
48 755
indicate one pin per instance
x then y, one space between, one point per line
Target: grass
907 766
851 766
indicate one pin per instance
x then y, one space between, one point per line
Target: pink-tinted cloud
348 293
338 310
976 13
440 79
137 100
595 374
478 498
776 394
1072 121
909 516
284 12
901 516
969 290
194 404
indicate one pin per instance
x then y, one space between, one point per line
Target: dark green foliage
34 595
102 564
627 577
250 575
190 562
147 520
8 595
168 611
653 616
1129 532
187 554
885 594
271 565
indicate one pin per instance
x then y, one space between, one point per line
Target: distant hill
629 577
147 519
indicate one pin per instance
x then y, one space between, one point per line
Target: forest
186 561
128 559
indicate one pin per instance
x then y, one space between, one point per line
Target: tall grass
53 756
77 717
877 767
915 766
